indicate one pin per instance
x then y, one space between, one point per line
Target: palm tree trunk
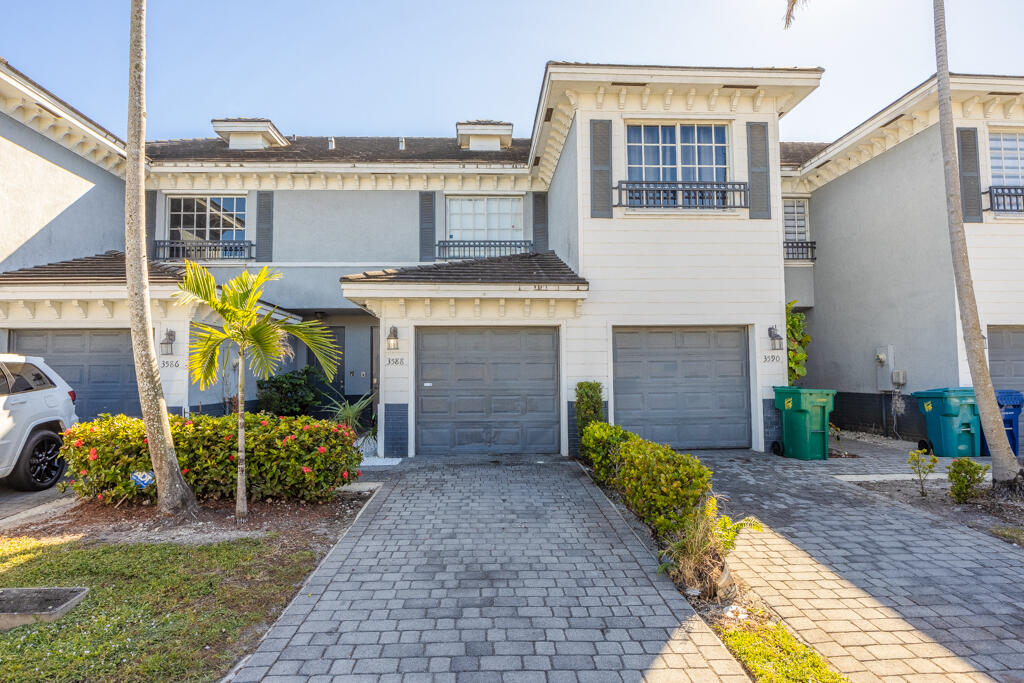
241 502
1004 464
175 498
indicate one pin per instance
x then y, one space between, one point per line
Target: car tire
39 466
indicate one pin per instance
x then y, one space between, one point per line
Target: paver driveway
885 591
489 570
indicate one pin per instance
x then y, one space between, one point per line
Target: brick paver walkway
490 570
883 590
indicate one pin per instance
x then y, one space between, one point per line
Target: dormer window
249 133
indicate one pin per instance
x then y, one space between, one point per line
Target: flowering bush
296 458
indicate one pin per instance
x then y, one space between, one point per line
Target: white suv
36 405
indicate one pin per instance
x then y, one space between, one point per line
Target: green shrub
291 393
797 340
661 486
965 476
922 464
287 458
589 406
599 446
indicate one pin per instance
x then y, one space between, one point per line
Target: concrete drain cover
20 606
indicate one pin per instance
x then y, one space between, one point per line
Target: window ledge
684 213
1008 216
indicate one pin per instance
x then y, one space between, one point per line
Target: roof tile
102 269
535 268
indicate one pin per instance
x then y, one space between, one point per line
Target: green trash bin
804 422
951 417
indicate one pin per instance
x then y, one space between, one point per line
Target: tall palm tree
174 497
250 330
1006 471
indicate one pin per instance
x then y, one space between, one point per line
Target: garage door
487 390
98 364
688 387
1006 357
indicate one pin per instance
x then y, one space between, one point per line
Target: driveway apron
512 569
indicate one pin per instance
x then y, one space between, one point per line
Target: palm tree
1006 471
251 330
175 498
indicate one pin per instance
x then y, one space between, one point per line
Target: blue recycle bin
1010 403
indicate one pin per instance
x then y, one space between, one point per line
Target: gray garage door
487 390
1006 357
97 364
688 387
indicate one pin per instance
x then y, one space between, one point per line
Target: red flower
67 432
292 437
83 473
188 423
145 440
185 471
321 449
92 454
344 475
231 458
305 428
78 443
284 441
306 470
263 422
228 437
359 473
99 496
334 429
92 429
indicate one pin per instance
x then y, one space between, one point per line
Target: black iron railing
651 194
801 250
201 250
1007 199
459 249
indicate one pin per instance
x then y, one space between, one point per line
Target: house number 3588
771 358
396 361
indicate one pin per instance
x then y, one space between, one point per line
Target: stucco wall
883 273
563 202
55 204
800 285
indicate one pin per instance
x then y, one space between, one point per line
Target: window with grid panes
485 218
795 219
1007 155
206 218
687 152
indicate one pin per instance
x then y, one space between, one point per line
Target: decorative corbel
573 98
551 308
579 307
968 104
689 98
30 308
451 308
426 307
734 101
4 310
599 97
758 99
476 307
501 308
1010 105
713 99
107 305
54 306
622 98
644 96
526 308
82 306
990 105
401 306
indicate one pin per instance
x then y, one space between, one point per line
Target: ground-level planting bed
165 603
989 512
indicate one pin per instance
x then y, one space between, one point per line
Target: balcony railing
798 250
462 249
200 250
1007 199
655 194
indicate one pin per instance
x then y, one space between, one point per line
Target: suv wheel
40 465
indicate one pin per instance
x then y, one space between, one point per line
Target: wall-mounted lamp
775 337
393 339
167 344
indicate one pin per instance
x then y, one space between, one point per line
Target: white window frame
726 124
206 198
515 231
1019 134
806 214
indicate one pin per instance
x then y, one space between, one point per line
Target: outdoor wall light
775 337
393 339
167 344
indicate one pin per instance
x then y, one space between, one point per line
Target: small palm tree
251 330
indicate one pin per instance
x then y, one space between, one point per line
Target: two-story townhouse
881 296
636 238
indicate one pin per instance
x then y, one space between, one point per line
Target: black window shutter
600 168
150 223
428 231
970 173
264 226
758 173
540 221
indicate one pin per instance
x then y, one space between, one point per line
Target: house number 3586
771 358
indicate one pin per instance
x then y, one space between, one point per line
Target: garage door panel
692 392
434 405
503 385
97 363
1006 356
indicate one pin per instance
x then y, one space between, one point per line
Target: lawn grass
154 612
1013 534
773 655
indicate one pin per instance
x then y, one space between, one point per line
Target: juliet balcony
470 249
203 250
684 195
1006 199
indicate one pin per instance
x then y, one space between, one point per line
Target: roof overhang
359 292
26 101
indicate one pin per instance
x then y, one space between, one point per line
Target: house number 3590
771 358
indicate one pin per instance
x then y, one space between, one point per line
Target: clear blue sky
342 67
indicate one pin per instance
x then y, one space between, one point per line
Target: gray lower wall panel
574 434
396 430
772 423
867 412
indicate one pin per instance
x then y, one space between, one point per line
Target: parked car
36 406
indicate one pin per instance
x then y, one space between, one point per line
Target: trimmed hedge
663 487
296 458
589 406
